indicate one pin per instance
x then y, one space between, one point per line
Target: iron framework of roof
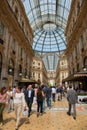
48 19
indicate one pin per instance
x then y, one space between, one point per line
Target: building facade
76 37
39 72
62 69
16 38
51 77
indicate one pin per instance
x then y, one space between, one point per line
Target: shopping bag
25 111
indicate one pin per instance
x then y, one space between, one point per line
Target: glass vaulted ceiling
48 19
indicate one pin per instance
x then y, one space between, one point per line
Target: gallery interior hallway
54 119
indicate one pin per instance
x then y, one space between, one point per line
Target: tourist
3 100
40 98
19 105
29 96
72 100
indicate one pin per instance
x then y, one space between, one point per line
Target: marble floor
53 119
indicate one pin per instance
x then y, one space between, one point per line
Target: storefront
79 80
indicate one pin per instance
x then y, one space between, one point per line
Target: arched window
0 64
1 32
78 8
82 43
16 12
22 25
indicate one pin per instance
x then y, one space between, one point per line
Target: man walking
72 100
29 95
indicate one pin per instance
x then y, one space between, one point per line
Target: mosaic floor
53 119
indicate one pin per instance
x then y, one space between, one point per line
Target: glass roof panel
48 20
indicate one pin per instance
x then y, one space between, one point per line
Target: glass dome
48 27
48 19
49 39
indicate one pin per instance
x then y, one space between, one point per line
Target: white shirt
53 90
9 93
29 93
19 99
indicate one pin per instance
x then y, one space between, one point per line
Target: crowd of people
22 98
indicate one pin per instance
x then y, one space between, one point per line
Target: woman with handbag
19 104
40 98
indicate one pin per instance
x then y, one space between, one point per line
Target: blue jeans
48 101
43 108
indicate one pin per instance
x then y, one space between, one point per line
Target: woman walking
40 97
19 103
3 100
10 99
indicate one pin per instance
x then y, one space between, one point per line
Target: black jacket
29 99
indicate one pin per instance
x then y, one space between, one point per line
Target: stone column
4 76
16 76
